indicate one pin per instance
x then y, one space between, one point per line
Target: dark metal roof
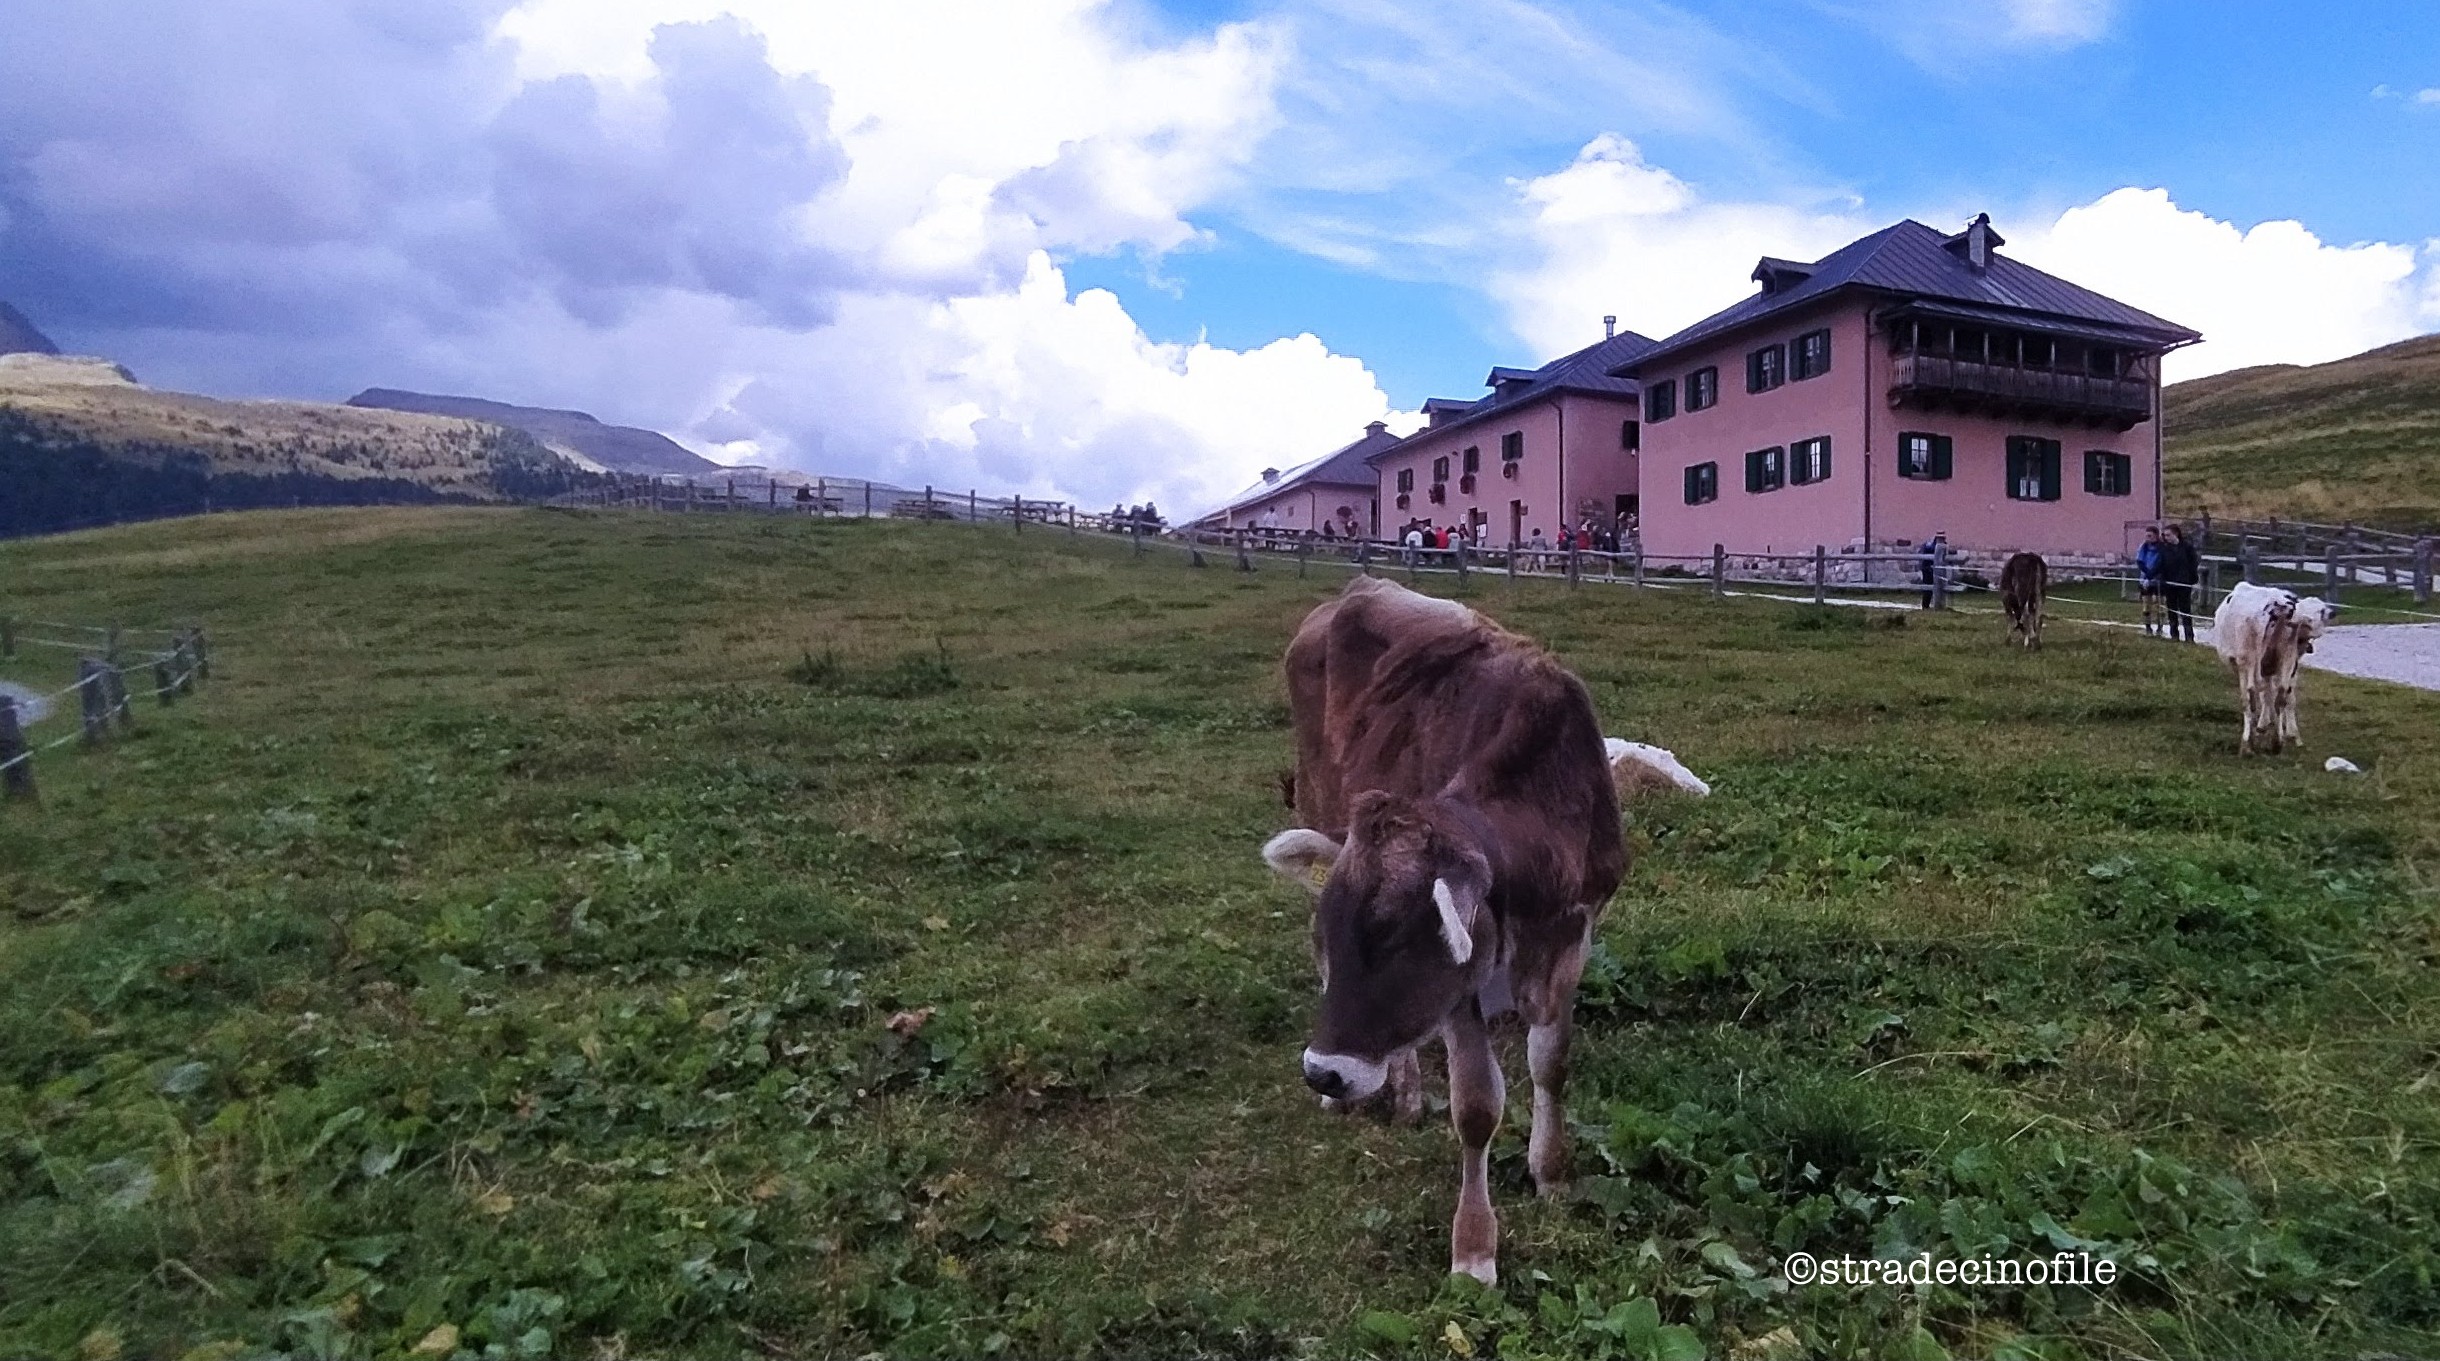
1345 467
1586 370
1913 260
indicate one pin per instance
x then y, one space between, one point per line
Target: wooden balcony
1939 382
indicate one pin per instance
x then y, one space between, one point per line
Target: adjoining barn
2022 585
1461 836
2263 633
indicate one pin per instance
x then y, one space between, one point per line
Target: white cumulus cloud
2270 293
1610 232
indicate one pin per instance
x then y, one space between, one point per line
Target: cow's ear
1303 855
1459 909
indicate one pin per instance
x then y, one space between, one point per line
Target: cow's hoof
1554 1189
1484 1269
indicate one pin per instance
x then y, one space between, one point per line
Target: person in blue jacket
2147 578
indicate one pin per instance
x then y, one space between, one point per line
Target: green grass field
500 958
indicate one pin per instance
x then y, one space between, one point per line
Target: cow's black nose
1324 1079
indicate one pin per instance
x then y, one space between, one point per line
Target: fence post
164 689
2205 545
1304 552
16 759
1135 535
1719 571
1940 574
1194 549
2423 572
868 498
2211 588
1821 575
1016 515
1461 562
1071 519
2249 565
114 685
971 517
1639 564
8 636
92 697
1364 556
2329 574
1245 559
199 650
1575 573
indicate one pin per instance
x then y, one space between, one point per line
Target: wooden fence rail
104 702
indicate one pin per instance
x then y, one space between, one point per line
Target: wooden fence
104 706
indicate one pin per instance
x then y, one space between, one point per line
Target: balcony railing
1939 380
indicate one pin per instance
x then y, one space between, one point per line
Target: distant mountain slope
18 336
2355 439
619 448
81 441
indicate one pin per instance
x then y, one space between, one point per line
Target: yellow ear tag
1319 873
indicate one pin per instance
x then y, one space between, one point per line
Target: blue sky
1116 249
2245 112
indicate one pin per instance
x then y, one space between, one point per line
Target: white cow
2263 632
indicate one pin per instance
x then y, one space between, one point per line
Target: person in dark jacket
2180 568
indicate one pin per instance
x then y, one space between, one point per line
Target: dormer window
1975 244
1778 276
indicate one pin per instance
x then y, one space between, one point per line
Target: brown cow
2023 582
1461 836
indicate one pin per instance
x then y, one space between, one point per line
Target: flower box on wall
1508 470
1466 484
1403 499
1440 493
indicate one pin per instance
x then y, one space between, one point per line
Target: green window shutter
1694 485
1753 471
1821 462
1941 447
2050 469
2092 475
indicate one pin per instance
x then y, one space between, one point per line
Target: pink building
1336 489
1908 383
1548 448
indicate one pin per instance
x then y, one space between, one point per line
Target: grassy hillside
524 947
2357 439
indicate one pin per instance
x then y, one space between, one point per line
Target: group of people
1422 536
2167 569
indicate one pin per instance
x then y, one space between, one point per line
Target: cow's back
1420 697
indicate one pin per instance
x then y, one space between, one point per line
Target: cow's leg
1406 1088
1476 1093
1550 1017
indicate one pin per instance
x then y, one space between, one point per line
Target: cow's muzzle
1343 1076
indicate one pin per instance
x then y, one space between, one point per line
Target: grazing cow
2022 584
1461 834
2263 633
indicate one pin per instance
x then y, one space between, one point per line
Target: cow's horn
1452 925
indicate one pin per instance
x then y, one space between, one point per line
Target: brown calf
1461 835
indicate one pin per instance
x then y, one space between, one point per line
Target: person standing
2147 579
1929 556
2180 568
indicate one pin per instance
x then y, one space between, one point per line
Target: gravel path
2408 654
30 705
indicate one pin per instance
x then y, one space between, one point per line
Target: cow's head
1398 928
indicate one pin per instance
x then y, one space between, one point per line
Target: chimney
1270 474
1377 428
1609 328
1978 241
